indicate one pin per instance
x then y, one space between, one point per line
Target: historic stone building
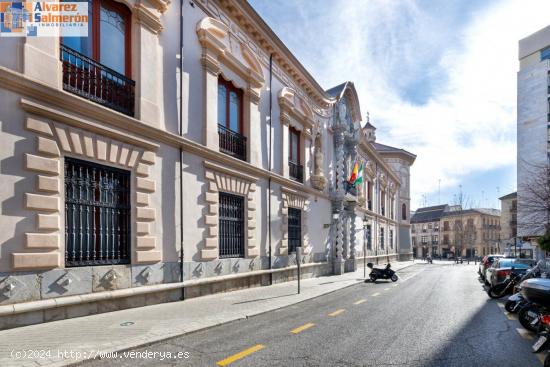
447 231
172 167
425 225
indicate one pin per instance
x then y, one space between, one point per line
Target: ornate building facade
181 166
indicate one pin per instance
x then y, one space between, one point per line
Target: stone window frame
220 178
54 141
293 199
222 49
296 113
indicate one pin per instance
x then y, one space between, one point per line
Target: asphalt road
435 315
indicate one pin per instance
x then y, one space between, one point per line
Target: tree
534 204
464 233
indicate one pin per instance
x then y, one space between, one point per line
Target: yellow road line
386 289
337 312
525 334
541 356
302 328
240 355
501 305
396 284
360 301
375 294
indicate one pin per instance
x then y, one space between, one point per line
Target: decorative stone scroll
53 141
293 199
222 179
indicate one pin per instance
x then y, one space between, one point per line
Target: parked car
485 264
503 267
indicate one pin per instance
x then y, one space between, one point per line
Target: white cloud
468 52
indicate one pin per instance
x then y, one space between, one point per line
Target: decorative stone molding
220 178
148 18
295 106
293 199
53 142
215 38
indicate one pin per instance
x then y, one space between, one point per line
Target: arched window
404 211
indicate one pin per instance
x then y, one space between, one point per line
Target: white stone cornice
148 18
214 37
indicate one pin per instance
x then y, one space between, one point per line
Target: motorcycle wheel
525 320
394 278
510 306
497 291
372 278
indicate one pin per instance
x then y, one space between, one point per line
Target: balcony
296 171
232 143
91 80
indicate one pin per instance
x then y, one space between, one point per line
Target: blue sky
437 76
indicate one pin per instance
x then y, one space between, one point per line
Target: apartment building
449 231
533 96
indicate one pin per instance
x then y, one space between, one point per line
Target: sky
438 78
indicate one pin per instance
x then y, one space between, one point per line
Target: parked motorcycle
537 292
386 273
512 281
516 301
543 341
501 289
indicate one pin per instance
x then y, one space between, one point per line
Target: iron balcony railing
232 143
296 171
95 82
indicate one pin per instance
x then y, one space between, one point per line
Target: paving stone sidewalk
65 342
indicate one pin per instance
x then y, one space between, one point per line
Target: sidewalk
121 330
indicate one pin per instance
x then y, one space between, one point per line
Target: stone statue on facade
318 179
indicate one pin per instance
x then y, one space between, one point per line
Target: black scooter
385 273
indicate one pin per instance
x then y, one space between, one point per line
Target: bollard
298 263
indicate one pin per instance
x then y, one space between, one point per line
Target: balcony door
108 40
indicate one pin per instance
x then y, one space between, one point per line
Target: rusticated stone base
86 309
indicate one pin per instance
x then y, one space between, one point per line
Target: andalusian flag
357 174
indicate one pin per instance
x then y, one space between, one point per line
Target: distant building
425 231
448 231
532 122
509 218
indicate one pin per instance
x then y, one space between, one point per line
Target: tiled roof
388 149
336 91
429 214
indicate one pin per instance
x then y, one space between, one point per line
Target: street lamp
367 235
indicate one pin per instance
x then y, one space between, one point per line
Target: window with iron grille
382 238
97 214
391 238
231 223
294 229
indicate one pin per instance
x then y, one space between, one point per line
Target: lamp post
367 235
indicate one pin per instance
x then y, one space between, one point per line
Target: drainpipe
181 150
269 166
